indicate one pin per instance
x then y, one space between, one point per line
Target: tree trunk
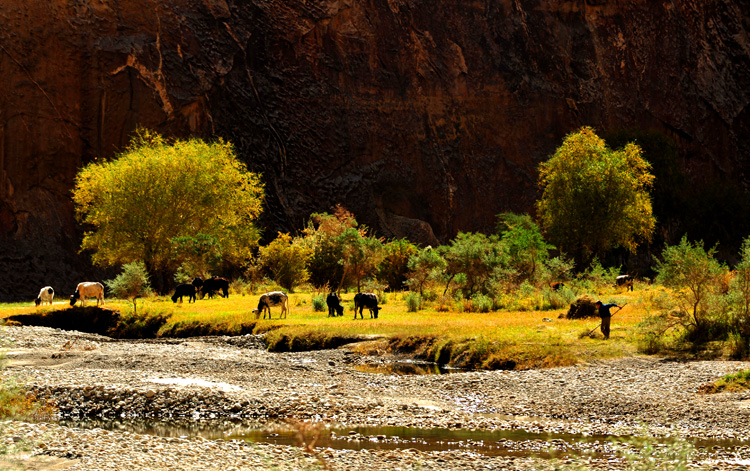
448 284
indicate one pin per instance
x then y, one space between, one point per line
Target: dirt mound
582 308
96 320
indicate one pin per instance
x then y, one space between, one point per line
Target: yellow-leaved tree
595 198
286 258
167 201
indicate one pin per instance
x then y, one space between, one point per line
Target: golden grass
528 338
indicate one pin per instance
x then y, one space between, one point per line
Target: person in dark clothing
606 316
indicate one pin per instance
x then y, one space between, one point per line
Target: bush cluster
708 302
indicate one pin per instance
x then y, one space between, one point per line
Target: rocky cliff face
422 117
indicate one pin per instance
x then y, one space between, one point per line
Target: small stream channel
488 443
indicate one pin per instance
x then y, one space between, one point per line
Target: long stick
600 324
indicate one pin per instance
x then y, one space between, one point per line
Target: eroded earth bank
226 384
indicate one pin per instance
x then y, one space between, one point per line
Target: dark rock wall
422 117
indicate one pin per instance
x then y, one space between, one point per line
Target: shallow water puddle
489 443
483 442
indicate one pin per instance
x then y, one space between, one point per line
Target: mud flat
234 380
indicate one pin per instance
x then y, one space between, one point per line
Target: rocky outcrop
422 118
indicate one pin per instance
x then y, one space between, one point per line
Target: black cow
334 305
626 281
184 290
198 283
366 300
212 285
274 298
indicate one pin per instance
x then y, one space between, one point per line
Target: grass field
502 339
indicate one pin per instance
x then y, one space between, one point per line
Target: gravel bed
212 378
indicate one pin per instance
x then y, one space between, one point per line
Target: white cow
46 295
88 289
274 298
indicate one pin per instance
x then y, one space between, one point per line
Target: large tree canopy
148 201
595 198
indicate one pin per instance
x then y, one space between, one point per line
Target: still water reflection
488 443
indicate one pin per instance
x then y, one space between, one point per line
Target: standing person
606 316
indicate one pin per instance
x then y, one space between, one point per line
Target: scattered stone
205 380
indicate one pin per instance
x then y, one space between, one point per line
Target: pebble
204 380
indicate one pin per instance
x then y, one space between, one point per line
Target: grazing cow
274 298
212 285
366 300
88 289
626 281
334 305
45 296
184 290
557 285
197 282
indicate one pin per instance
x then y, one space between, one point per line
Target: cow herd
362 301
210 287
220 286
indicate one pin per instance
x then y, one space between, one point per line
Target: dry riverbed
210 381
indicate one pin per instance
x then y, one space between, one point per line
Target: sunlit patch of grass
497 339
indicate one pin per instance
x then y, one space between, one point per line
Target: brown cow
626 281
88 289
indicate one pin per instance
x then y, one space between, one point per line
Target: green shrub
471 260
481 303
693 272
413 302
558 299
501 301
430 295
132 283
598 276
182 275
287 259
526 298
240 286
267 285
652 332
319 303
394 268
